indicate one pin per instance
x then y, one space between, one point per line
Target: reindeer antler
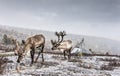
58 35
62 34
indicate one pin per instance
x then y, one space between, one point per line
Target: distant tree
7 40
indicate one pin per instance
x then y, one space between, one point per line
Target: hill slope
95 43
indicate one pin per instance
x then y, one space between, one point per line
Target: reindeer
62 45
37 41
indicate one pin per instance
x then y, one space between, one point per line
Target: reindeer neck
27 48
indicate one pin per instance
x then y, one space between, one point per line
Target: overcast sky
86 17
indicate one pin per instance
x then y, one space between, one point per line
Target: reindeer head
54 44
17 47
60 36
18 50
20 57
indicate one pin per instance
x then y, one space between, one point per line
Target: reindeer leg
64 54
69 54
40 53
31 58
37 56
32 52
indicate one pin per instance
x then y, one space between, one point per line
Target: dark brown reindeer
37 41
63 45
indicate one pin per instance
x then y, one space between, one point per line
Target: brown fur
64 46
37 41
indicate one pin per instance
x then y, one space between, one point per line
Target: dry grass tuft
108 59
75 60
106 67
114 64
47 64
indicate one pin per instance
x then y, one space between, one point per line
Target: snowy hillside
55 65
97 44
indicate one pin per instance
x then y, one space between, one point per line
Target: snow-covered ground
56 65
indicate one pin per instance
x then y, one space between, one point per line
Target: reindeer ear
23 41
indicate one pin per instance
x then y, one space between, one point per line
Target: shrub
3 63
106 67
7 40
108 59
114 63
